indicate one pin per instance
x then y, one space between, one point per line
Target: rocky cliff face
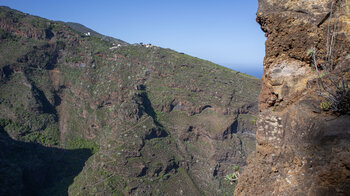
82 115
303 137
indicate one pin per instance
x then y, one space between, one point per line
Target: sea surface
253 70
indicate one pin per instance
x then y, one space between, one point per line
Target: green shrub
233 177
235 168
310 51
4 122
254 121
326 105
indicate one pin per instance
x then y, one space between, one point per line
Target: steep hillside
94 118
303 135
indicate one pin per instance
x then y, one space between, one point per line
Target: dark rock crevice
232 129
5 73
46 106
145 105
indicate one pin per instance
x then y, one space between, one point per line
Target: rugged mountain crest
303 136
109 119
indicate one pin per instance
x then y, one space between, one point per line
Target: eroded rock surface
302 148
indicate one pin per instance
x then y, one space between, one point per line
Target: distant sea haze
253 70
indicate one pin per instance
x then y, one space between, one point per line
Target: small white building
115 47
148 45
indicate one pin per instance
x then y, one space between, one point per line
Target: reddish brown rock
302 149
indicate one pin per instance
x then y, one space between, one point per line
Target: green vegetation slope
93 118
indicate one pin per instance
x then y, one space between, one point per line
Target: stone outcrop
303 147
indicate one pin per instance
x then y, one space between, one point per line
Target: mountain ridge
87 31
155 121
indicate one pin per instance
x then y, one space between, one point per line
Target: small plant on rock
325 105
233 177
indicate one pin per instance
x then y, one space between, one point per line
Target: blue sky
222 31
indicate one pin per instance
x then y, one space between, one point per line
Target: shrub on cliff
233 177
331 86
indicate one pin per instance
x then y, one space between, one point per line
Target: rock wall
303 147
